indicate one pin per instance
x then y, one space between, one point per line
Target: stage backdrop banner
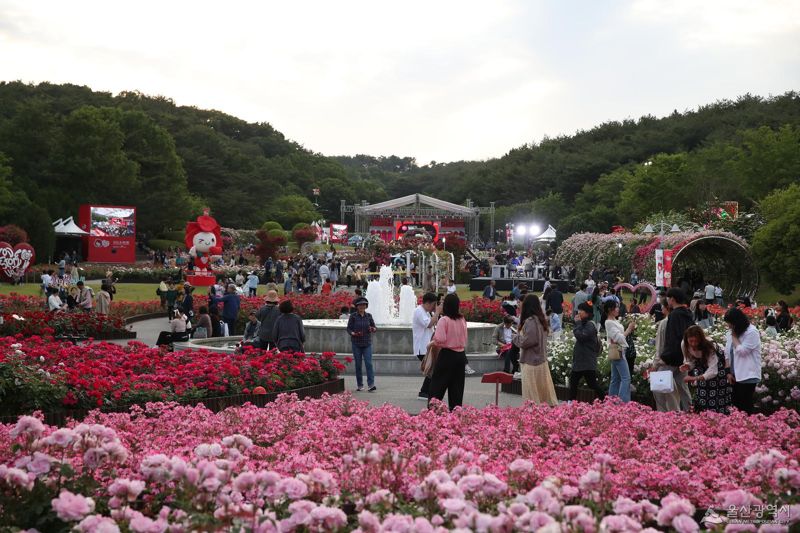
338 233
112 233
659 267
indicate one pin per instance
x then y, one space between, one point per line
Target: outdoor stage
506 284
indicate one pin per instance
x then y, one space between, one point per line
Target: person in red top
451 339
326 287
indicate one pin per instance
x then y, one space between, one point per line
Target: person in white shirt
47 278
709 291
451 287
718 295
54 303
620 373
425 317
743 358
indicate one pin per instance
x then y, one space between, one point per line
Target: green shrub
300 225
271 225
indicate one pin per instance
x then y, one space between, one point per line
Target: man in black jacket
678 321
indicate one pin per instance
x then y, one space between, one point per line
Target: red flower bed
16 303
39 372
93 325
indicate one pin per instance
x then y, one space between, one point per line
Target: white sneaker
469 370
517 375
359 389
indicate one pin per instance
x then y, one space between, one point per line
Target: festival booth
694 257
69 237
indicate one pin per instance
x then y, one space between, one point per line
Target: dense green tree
291 209
775 244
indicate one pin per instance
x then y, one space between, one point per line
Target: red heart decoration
645 307
14 262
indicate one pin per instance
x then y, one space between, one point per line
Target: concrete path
396 390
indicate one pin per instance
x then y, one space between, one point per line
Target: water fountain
382 305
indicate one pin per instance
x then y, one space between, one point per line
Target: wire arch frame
730 263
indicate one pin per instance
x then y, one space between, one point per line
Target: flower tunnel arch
719 256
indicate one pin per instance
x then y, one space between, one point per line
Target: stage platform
506 284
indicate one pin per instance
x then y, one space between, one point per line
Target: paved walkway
396 390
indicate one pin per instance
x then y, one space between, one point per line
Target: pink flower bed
336 464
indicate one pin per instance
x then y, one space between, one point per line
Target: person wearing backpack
584 354
267 316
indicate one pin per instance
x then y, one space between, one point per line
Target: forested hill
63 145
729 150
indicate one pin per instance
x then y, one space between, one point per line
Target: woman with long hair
617 339
537 383
784 318
742 357
451 340
705 362
701 315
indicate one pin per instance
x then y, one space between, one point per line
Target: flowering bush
78 323
626 251
337 465
109 375
16 303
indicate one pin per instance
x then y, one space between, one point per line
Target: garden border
214 403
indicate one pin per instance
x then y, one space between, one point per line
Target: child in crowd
555 324
772 330
344 313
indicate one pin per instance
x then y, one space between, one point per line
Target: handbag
429 361
614 353
662 382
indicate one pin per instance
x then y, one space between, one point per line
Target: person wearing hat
361 326
267 316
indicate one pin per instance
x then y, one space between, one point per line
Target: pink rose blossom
72 507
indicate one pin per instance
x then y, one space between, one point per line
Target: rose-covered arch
721 256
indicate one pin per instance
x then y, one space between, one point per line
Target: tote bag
662 382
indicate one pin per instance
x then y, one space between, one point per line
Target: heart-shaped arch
640 287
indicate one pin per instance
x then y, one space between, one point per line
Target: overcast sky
437 80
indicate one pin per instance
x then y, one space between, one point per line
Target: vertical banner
338 233
659 267
667 268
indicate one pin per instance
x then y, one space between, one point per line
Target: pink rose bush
335 464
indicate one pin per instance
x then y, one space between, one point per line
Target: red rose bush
40 373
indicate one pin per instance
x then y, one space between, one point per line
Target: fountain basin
392 346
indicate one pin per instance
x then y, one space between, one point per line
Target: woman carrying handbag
451 340
537 383
617 345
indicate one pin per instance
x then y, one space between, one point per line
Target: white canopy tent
68 228
549 235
